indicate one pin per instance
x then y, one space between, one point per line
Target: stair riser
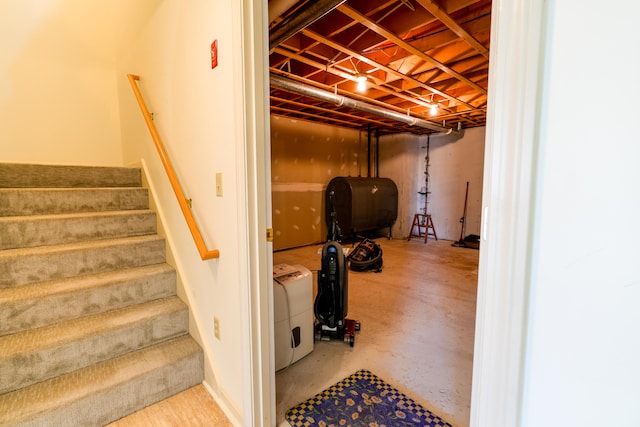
45 176
105 392
26 232
21 267
29 368
15 202
128 398
27 313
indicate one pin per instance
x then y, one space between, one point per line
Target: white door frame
513 119
258 353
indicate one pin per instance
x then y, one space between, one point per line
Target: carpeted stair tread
42 201
30 265
44 303
38 354
42 230
91 328
14 175
104 392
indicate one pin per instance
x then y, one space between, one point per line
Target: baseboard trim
227 407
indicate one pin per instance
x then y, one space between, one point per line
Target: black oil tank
362 204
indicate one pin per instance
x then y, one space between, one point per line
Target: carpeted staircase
91 328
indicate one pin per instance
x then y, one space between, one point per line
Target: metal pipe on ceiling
304 17
313 92
278 7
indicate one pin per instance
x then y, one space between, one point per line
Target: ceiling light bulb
362 83
433 110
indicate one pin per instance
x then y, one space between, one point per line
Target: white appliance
293 313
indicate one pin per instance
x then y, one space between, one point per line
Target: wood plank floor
192 408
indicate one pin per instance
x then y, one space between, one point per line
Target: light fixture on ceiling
433 109
361 79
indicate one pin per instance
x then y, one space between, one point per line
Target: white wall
558 295
399 160
583 347
58 97
453 161
196 112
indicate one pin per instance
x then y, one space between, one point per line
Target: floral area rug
362 399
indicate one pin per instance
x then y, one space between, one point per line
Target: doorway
504 251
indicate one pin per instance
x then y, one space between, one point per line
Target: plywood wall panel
298 215
305 156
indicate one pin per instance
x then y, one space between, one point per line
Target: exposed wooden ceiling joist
416 54
447 20
352 13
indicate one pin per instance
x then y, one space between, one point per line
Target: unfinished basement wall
305 156
453 161
398 161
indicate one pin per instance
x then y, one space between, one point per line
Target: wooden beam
322 109
355 15
447 20
395 91
310 13
389 70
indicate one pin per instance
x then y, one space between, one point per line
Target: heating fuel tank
362 204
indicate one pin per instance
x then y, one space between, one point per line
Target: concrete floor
418 319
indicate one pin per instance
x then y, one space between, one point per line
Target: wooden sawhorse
424 224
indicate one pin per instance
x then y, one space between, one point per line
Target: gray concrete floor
418 319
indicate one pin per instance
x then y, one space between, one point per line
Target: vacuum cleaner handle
333 234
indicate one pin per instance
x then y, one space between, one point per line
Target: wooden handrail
205 253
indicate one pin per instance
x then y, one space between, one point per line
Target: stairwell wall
65 99
196 113
58 97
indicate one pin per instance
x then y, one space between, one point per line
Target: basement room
378 113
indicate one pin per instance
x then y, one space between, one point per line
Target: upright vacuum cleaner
330 306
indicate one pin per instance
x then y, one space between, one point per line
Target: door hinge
269 234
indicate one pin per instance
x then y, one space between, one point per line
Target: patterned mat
362 399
